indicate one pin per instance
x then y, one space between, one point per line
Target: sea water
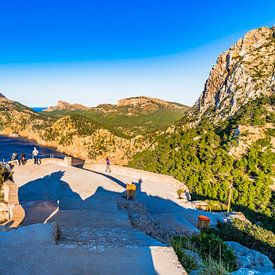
9 145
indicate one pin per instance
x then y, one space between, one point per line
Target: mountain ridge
88 134
138 101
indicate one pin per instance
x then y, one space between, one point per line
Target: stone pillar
68 161
16 211
10 192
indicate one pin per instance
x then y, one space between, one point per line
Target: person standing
14 158
108 165
35 154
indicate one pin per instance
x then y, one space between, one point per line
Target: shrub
186 260
211 249
211 246
215 268
216 205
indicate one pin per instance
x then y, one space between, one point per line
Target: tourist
14 158
108 165
35 154
23 159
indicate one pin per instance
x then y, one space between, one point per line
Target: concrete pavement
97 236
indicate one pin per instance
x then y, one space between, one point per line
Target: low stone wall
15 210
66 161
54 161
169 183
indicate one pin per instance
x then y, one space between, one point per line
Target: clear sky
98 51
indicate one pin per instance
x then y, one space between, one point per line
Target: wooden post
229 197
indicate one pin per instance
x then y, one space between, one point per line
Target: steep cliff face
244 72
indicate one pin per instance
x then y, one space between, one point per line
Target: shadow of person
42 196
114 179
95 221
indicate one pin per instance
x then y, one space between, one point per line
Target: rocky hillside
228 137
243 72
131 117
118 131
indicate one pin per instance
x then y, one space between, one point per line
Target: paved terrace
97 236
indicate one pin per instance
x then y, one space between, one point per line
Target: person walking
108 165
35 154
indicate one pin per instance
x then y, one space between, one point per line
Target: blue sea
10 145
39 109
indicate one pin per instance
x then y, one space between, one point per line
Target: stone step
116 237
175 224
92 218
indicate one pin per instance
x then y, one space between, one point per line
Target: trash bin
203 222
130 191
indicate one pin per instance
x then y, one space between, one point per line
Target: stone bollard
68 161
203 222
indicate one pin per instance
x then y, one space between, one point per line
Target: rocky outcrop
243 72
249 260
65 106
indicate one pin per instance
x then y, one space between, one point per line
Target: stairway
98 228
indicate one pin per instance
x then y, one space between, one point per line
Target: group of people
22 160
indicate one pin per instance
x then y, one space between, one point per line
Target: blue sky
95 52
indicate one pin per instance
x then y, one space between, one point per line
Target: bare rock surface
249 259
243 72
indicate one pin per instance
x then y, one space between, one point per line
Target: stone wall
16 213
67 161
168 183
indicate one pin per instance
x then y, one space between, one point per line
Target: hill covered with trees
227 139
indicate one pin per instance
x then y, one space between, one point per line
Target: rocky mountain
243 72
128 106
131 116
65 106
227 139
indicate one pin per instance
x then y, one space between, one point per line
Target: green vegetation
75 124
199 157
126 125
215 255
249 235
216 205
